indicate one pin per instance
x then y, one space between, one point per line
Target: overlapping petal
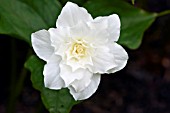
95 36
59 40
60 35
81 84
89 90
120 57
69 76
72 14
42 44
109 23
51 73
103 60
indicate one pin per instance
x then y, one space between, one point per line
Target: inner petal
77 56
77 50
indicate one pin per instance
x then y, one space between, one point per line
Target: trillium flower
79 50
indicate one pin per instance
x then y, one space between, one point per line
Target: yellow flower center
79 49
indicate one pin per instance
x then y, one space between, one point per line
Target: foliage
134 21
56 101
19 18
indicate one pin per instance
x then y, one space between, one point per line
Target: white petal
69 76
120 56
59 38
74 65
72 14
81 63
88 91
110 23
103 60
51 74
41 44
59 35
82 31
81 84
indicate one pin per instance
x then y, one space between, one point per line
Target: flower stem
163 13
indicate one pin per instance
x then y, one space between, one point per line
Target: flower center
79 49
78 54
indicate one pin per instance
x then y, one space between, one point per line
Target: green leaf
35 65
134 21
19 18
79 2
56 101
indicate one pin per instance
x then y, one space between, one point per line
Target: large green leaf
56 101
134 21
19 18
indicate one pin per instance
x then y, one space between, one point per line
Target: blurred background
143 86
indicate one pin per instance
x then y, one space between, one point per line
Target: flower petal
84 32
69 76
59 35
59 38
80 30
89 90
41 44
51 73
103 60
72 14
110 23
81 84
120 56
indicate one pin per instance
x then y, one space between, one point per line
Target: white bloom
78 50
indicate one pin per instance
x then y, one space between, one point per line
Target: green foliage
56 101
79 2
134 21
19 18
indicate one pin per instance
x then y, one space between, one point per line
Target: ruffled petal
42 44
60 39
109 23
69 76
82 31
51 73
81 84
89 90
72 14
59 35
120 56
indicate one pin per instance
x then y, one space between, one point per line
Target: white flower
78 50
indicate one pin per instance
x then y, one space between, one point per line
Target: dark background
143 86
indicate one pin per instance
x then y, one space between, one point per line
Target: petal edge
42 44
72 14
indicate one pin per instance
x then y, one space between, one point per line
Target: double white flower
78 50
